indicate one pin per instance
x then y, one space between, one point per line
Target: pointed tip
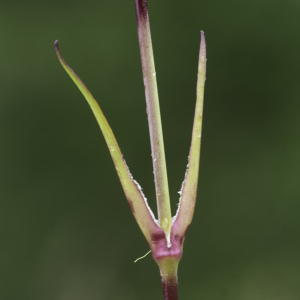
56 46
202 46
202 37
57 50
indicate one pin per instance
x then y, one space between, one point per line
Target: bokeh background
66 230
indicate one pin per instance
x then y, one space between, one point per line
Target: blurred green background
66 230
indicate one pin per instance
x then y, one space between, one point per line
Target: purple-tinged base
167 260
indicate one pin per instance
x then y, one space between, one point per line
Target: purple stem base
170 290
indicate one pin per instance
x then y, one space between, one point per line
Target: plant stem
154 119
170 290
168 271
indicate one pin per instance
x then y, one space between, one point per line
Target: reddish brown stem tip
141 10
56 45
57 49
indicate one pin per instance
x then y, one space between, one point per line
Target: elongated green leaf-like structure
137 201
188 191
154 119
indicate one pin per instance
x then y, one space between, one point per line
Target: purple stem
170 290
141 10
